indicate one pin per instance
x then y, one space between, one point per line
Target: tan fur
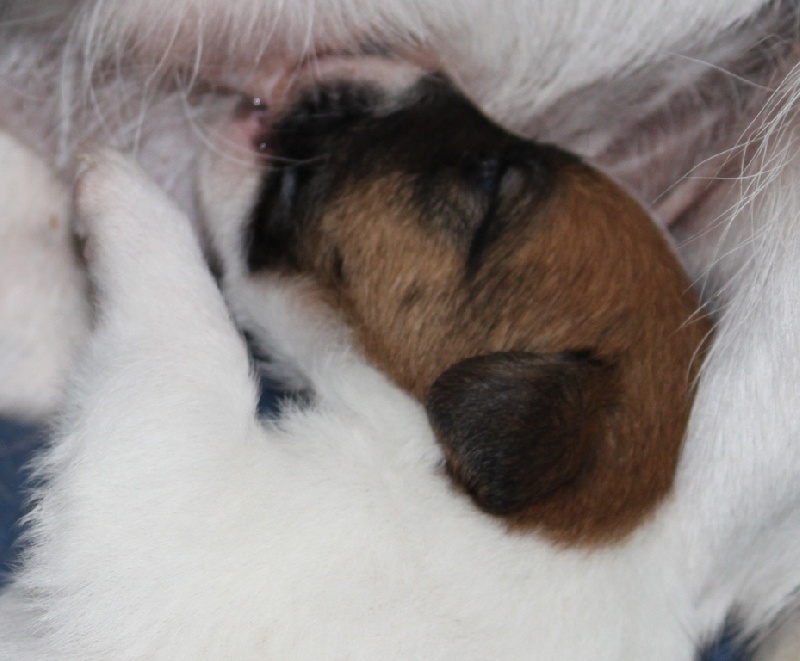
525 298
588 269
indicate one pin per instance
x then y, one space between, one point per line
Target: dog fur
652 93
466 261
352 540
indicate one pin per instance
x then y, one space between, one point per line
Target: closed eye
487 178
288 185
493 180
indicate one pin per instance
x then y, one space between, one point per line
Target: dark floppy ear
519 427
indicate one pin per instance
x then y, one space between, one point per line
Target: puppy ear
518 427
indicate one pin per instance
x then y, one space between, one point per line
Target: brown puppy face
523 296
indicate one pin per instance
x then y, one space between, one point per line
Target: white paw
110 189
127 220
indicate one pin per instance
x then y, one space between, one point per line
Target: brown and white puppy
654 91
525 297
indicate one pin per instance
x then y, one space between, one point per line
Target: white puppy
644 90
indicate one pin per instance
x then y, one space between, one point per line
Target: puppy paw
126 220
110 189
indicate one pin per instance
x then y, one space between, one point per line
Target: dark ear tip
516 427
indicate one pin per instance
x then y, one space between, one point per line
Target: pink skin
251 124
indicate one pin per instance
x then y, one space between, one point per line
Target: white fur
516 59
172 525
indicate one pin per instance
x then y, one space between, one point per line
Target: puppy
690 104
524 297
170 523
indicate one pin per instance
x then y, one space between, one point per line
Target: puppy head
522 295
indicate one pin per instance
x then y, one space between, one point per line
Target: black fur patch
517 427
454 159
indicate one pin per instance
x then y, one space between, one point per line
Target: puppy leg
162 325
132 484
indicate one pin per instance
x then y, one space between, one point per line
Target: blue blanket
18 441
